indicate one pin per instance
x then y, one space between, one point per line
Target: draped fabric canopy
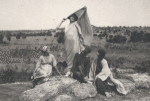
84 23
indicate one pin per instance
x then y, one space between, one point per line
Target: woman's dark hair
102 53
100 57
87 49
75 17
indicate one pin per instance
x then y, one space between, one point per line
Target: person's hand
32 77
64 19
68 74
86 79
85 7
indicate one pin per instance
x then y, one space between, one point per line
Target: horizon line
62 28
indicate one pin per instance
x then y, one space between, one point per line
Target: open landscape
121 28
126 48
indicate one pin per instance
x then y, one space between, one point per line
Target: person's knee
76 74
99 83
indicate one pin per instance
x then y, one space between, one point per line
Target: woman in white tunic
74 42
100 74
78 34
44 66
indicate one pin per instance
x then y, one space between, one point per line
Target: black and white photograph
74 50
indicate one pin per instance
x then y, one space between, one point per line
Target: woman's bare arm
38 62
55 64
60 23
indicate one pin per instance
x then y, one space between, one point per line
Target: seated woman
100 73
44 67
81 66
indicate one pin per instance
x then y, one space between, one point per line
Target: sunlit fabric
84 23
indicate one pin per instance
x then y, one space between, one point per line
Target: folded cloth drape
84 23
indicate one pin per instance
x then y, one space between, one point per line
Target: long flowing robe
104 74
72 43
76 33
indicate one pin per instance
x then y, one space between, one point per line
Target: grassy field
17 61
18 57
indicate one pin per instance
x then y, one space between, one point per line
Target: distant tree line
114 34
123 34
5 36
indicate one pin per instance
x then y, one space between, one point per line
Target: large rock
48 90
56 86
141 80
129 85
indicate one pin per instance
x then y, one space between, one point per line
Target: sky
47 14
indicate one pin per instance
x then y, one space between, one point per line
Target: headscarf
44 48
84 23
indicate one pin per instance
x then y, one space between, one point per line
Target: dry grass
17 61
23 55
11 92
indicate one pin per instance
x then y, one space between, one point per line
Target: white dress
72 43
46 69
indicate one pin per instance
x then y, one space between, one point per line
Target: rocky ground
60 88
67 89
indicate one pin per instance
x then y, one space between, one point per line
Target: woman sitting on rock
44 67
100 73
